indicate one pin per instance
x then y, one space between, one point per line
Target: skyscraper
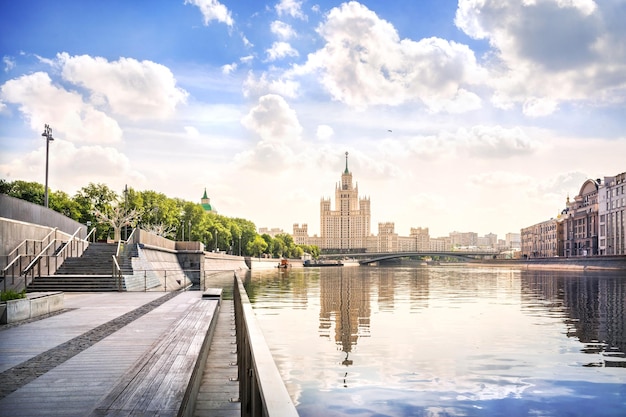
347 227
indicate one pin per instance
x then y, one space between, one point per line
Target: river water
446 341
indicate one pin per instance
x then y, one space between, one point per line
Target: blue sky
471 116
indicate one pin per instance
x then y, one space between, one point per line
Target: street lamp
47 133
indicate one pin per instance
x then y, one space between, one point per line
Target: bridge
373 257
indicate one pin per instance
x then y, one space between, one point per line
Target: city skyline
472 116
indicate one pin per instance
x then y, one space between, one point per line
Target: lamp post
215 250
47 133
239 244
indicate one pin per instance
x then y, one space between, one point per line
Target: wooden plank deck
157 384
219 384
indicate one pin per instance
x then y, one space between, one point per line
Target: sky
481 115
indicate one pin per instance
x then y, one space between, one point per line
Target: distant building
580 221
611 215
271 232
541 240
346 228
205 202
513 241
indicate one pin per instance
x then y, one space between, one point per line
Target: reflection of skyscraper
385 290
345 299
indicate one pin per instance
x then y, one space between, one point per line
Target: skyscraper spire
346 171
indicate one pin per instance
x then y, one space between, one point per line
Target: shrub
12 295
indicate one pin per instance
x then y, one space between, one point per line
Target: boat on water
284 263
309 263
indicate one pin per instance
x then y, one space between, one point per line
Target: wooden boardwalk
219 389
80 383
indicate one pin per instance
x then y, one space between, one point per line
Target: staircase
92 272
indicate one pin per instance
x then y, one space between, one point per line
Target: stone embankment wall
616 263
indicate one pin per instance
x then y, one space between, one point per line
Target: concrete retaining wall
14 232
34 305
16 209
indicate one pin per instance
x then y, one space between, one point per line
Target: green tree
30 191
257 246
95 197
64 204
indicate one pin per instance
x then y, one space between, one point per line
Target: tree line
172 218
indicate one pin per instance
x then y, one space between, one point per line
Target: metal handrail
73 237
117 272
92 232
262 391
37 258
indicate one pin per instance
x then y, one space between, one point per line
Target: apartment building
541 240
611 219
580 221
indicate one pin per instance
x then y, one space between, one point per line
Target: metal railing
60 252
262 391
42 259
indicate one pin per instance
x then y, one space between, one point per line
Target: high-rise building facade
346 228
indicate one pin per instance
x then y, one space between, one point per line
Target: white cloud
273 120
73 167
192 131
130 88
229 68
495 142
283 30
324 132
9 63
364 63
212 10
43 102
552 50
280 50
258 86
537 107
291 8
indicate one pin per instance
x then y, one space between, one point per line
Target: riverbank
612 263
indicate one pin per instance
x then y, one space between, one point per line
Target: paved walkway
65 364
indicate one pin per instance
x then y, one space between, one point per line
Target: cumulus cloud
131 88
490 142
213 10
495 142
283 30
364 62
291 8
555 50
324 132
73 166
43 102
255 86
280 50
273 120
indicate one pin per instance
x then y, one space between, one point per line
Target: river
446 341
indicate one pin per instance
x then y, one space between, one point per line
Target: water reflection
446 341
594 310
344 305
